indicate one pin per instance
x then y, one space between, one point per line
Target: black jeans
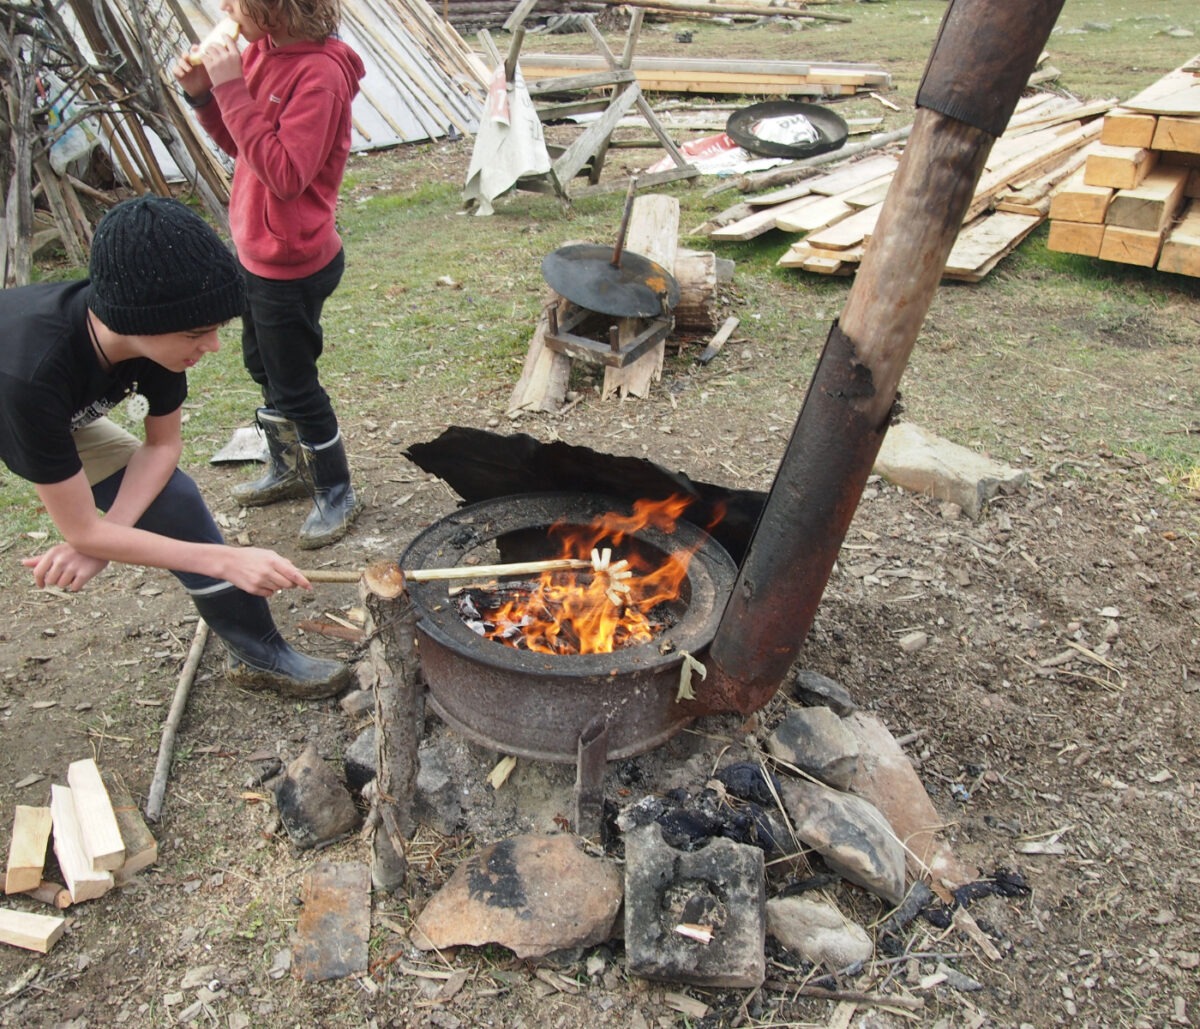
179 512
281 342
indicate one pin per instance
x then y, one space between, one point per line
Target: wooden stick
166 747
458 571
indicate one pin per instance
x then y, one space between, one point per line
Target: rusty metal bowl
537 705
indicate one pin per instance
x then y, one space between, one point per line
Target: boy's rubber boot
259 657
334 504
282 479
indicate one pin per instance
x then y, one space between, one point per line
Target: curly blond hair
305 19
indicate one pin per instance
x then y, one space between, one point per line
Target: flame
574 612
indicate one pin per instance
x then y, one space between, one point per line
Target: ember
595 611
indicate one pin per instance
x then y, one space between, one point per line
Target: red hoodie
287 126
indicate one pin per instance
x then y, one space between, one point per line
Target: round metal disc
636 288
830 128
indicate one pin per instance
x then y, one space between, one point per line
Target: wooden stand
588 152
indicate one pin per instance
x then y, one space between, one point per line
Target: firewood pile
1137 199
55 91
835 203
99 840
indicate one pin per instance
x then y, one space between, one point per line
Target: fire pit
538 705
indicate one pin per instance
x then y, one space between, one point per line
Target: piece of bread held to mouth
226 28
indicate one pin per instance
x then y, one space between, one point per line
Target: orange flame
575 612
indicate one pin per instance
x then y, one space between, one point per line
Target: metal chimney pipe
980 63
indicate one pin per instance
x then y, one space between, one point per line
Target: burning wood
606 606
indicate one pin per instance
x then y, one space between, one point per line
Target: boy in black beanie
160 285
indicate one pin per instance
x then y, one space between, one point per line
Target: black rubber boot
259 658
334 503
282 480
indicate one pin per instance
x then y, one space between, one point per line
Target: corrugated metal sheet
422 81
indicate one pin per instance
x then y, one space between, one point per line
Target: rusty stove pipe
980 63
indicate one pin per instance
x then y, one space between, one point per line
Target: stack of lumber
1046 140
99 839
740 77
1137 199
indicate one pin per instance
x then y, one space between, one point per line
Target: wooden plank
545 374
855 174
1153 204
821 262
141 848
826 211
82 880
849 232
1075 238
1069 111
720 338
1121 167
1054 147
1181 247
762 220
868 195
30 931
1130 246
27 848
1177 133
1177 92
98 829
981 245
1123 127
1076 201
653 233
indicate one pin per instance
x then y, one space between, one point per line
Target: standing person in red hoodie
282 111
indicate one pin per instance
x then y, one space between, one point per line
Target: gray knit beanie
157 267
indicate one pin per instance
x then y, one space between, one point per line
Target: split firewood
84 882
27 849
99 832
29 930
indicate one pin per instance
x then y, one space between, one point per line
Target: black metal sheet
636 287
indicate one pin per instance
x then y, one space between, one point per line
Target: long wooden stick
457 571
166 747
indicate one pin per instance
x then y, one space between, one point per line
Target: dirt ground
1052 718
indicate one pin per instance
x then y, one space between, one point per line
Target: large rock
851 834
314 806
887 779
814 740
532 894
925 463
818 932
718 890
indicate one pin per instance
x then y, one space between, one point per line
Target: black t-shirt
52 382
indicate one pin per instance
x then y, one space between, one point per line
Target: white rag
509 144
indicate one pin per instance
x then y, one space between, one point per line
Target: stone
358 763
851 834
534 894
924 463
887 779
718 888
814 740
816 690
818 932
438 801
314 806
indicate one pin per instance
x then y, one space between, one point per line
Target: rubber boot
334 503
260 658
282 480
